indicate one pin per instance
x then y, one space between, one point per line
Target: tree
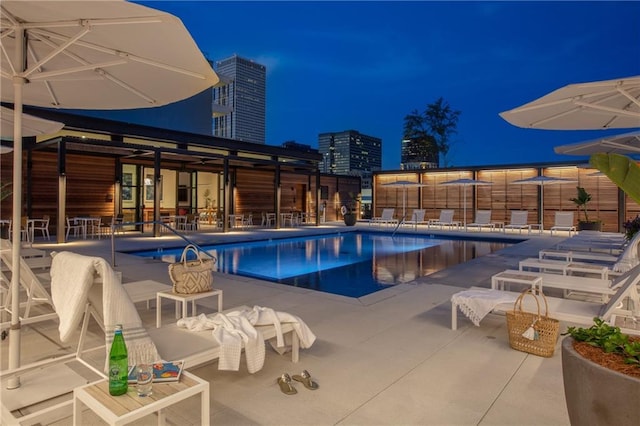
429 133
441 120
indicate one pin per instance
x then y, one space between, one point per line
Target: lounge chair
574 311
518 221
483 219
385 219
171 342
446 219
570 284
33 287
629 257
564 222
417 218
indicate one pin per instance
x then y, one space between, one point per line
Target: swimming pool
351 264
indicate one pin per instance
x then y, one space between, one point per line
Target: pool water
351 264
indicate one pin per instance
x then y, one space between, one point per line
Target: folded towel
73 286
476 304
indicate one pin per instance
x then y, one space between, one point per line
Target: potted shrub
601 373
581 201
348 209
631 227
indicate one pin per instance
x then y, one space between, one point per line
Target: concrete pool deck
388 358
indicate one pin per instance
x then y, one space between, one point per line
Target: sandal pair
286 385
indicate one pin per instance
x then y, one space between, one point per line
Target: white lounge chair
518 221
417 218
603 288
386 218
36 293
446 219
171 342
629 257
624 303
564 222
483 219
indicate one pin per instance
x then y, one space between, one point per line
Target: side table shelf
185 299
124 409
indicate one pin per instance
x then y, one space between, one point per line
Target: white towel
476 304
236 329
232 331
73 285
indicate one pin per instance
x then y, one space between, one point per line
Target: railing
161 223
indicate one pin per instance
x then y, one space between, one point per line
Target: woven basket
545 329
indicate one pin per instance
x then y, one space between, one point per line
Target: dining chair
75 227
41 225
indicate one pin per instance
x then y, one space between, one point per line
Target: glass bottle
118 364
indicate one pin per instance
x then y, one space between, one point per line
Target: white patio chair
483 219
386 218
75 227
417 218
564 222
519 220
41 225
446 219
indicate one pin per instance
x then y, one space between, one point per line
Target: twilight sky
365 65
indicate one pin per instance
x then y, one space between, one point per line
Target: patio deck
387 358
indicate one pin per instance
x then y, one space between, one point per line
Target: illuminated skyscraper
239 107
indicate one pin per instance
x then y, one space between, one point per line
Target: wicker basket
541 329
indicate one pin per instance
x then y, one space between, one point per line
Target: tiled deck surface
389 358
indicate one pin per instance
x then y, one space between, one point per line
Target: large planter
596 395
349 219
590 226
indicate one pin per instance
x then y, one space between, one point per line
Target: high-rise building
418 153
239 106
350 153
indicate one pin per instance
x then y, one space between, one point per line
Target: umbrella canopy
584 106
628 143
31 125
464 183
404 184
542 181
89 55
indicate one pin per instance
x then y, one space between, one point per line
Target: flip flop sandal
285 384
305 379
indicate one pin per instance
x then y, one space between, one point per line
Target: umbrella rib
94 22
603 108
55 101
60 48
99 71
127 55
88 67
628 95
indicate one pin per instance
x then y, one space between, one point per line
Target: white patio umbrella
542 181
627 143
404 184
607 104
89 55
31 125
464 183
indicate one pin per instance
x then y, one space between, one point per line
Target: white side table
185 299
124 409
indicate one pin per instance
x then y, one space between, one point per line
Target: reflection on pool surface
352 264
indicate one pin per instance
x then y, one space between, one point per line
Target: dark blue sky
333 66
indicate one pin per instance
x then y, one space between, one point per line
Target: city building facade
350 153
239 105
417 154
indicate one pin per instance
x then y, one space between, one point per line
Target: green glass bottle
118 364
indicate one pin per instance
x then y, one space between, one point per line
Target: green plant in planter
631 228
609 339
581 200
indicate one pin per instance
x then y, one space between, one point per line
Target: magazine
162 372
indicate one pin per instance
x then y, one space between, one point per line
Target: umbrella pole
14 331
